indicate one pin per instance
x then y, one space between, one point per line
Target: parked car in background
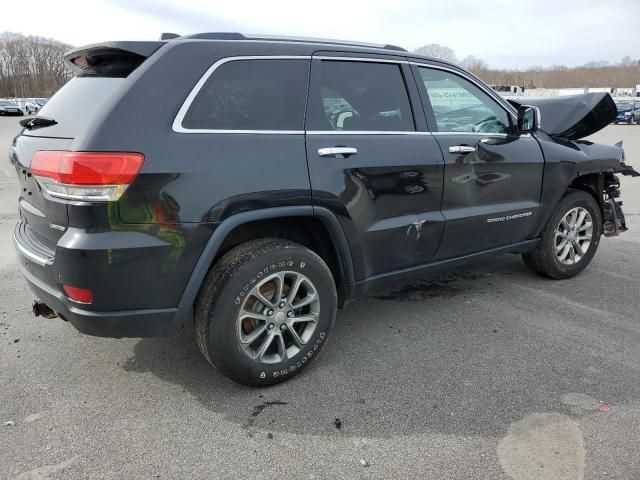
33 105
8 107
628 112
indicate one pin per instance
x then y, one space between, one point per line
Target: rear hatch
101 70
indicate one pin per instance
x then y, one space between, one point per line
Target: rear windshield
75 105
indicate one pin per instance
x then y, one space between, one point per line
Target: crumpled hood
573 117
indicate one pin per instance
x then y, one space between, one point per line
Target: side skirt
405 275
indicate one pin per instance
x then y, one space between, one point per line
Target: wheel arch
591 183
216 247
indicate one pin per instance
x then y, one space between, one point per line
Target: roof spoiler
109 59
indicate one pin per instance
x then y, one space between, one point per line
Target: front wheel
570 239
265 311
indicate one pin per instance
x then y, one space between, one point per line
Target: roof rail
285 38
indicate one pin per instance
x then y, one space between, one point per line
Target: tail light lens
78 295
87 176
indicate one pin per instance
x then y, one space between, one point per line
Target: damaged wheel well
605 187
592 183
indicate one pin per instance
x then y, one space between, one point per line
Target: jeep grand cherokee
254 185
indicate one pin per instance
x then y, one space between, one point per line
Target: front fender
565 161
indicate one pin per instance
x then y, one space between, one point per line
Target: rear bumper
39 271
164 322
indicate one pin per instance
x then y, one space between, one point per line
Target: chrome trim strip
177 122
42 261
252 132
362 132
483 134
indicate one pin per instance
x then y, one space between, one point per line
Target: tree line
31 66
624 74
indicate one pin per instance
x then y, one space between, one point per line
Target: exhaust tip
43 310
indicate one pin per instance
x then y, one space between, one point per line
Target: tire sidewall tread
543 259
222 295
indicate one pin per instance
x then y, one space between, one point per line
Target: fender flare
226 226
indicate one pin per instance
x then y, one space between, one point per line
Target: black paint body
402 205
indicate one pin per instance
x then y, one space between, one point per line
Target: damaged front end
614 221
564 122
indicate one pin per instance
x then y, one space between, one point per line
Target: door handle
337 151
462 149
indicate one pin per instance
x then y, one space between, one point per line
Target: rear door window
251 95
360 96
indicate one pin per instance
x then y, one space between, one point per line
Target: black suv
254 185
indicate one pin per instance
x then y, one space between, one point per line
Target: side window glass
252 95
360 96
459 106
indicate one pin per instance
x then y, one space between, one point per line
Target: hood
573 117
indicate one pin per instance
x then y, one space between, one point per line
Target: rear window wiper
33 123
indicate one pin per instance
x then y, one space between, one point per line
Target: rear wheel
265 311
570 239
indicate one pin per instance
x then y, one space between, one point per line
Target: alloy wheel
278 317
573 236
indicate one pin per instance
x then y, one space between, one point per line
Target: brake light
88 176
78 295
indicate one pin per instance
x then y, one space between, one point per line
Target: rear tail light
87 176
78 295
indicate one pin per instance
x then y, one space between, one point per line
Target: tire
545 259
231 286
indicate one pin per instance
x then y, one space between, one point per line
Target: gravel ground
482 372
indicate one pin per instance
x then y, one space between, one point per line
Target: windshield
40 101
8 104
623 107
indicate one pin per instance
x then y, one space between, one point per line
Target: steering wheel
487 122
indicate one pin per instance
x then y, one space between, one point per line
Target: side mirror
528 119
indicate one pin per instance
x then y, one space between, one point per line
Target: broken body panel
573 117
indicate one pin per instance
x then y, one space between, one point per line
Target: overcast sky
504 33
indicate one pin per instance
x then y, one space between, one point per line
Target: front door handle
337 151
462 149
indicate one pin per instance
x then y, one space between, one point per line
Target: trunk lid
101 72
44 219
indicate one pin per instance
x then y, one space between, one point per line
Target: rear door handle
337 151
462 149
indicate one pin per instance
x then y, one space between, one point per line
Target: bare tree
437 51
470 63
31 66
